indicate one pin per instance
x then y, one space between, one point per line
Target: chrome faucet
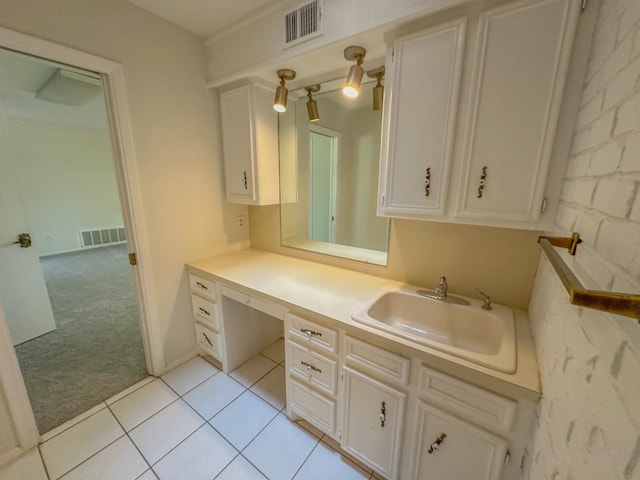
441 290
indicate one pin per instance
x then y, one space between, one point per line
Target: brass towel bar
626 304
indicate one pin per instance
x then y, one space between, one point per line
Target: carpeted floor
96 350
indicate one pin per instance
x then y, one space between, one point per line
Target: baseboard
81 249
180 361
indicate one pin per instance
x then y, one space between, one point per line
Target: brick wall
588 423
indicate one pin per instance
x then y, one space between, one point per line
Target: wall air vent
303 23
103 236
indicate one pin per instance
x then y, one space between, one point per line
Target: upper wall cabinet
420 120
499 147
250 145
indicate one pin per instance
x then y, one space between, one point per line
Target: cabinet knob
436 445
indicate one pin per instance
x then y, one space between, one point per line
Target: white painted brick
578 165
618 242
623 85
605 160
635 210
596 268
588 225
618 60
628 119
567 191
590 111
566 217
596 134
614 197
583 191
591 89
629 20
628 387
631 156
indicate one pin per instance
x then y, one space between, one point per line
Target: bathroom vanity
401 406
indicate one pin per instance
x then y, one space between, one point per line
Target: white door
23 293
451 449
373 414
323 151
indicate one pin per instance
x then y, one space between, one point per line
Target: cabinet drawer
205 311
377 361
474 403
203 287
262 305
310 333
209 342
313 368
313 407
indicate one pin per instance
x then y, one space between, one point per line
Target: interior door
322 209
21 275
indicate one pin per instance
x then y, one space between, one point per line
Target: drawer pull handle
207 339
202 285
427 182
483 181
310 367
383 414
203 311
310 333
244 179
436 445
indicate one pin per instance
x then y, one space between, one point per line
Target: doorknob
24 239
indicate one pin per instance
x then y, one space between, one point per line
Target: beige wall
175 133
589 420
67 181
501 262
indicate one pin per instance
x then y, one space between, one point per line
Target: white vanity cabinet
206 316
250 144
419 120
521 58
497 141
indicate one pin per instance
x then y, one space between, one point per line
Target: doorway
68 291
323 171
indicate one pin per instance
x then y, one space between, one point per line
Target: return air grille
303 23
103 236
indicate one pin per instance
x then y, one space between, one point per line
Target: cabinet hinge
507 457
342 375
583 5
340 435
393 51
543 207
133 260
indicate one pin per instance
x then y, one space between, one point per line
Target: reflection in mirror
329 175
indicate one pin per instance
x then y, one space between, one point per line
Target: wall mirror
329 174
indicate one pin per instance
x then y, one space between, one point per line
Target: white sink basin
480 336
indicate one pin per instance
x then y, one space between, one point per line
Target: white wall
67 181
175 132
589 419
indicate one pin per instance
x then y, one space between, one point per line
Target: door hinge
543 207
133 260
583 5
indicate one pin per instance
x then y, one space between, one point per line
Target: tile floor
194 423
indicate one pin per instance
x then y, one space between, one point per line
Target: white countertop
336 293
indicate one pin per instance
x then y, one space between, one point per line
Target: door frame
127 176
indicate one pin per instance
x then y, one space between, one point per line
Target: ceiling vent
303 23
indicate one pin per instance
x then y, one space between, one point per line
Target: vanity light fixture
312 106
378 90
351 86
280 102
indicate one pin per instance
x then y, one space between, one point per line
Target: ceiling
21 76
205 18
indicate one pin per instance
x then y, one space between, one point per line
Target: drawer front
202 286
205 311
313 407
310 333
377 361
209 342
262 305
476 404
313 368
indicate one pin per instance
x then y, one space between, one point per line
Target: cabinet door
522 55
419 121
451 449
238 142
373 415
